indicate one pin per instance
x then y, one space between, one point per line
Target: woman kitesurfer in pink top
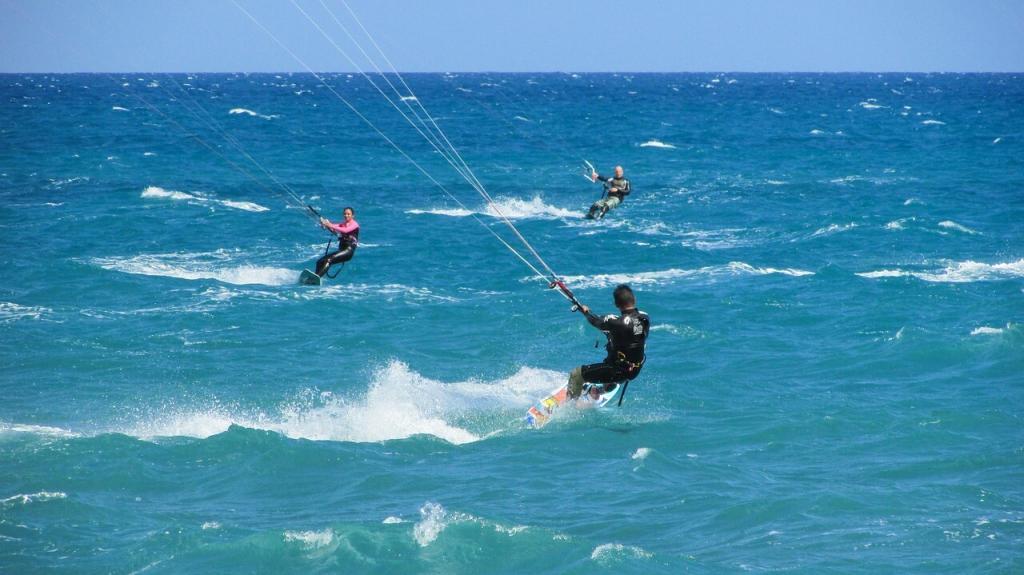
348 239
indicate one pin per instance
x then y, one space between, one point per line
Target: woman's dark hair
624 296
348 208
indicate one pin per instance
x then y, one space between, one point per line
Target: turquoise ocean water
833 265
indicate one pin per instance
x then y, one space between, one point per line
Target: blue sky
520 35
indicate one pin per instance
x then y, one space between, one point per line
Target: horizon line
563 72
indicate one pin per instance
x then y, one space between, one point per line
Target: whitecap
311 539
392 520
611 551
997 140
641 453
985 330
957 272
951 225
657 144
933 123
871 104
156 192
247 112
26 498
816 132
199 266
432 522
210 525
409 99
11 312
512 208
399 403
663 277
833 229
120 109
41 430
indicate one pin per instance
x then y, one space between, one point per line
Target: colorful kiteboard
593 396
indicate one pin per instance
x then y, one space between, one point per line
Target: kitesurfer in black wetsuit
348 239
627 340
616 188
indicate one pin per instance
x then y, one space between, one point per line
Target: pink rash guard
349 232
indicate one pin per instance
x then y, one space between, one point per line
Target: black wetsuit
346 249
627 339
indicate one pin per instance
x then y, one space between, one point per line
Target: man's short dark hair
624 296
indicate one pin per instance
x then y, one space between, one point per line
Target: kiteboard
309 278
593 396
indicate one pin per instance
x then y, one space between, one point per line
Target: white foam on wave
398 404
512 208
897 224
453 212
817 132
871 104
957 272
641 453
607 552
657 144
247 112
985 330
26 498
218 265
120 109
311 540
933 123
434 519
156 192
833 229
951 225
432 522
41 430
11 312
663 277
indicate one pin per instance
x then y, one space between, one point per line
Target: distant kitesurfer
348 239
616 189
627 340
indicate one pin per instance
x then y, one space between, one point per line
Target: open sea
833 265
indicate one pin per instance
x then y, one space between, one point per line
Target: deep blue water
833 265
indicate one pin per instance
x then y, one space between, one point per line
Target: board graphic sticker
593 396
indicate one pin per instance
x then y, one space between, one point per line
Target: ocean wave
39 430
663 277
833 229
933 123
311 539
156 192
120 109
985 330
11 312
657 144
512 208
898 224
199 266
246 112
871 104
26 498
613 552
951 225
398 404
434 519
957 272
